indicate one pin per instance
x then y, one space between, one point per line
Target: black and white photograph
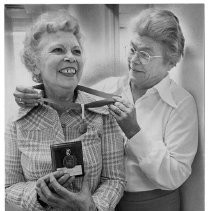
68 156
104 107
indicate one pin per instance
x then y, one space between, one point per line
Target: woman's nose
70 58
135 59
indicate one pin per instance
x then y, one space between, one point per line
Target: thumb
85 183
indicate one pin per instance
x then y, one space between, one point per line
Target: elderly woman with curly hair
54 54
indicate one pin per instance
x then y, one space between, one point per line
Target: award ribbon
83 126
108 100
108 97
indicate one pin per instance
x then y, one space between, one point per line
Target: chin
68 85
137 77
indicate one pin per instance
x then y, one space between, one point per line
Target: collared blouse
28 156
160 155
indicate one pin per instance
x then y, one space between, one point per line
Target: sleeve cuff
30 197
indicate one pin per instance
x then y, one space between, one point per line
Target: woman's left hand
125 114
65 199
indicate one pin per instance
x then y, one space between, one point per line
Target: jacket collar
84 98
163 88
21 113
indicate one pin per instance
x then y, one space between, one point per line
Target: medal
69 161
83 126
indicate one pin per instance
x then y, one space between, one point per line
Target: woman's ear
171 65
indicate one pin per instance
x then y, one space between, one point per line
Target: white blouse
160 155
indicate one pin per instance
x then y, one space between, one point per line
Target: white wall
190 74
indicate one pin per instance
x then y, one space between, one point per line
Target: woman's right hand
63 198
65 180
27 97
61 176
44 183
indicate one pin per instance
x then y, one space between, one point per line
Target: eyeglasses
143 56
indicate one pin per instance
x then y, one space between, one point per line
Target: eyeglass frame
149 56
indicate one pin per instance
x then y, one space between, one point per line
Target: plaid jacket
28 139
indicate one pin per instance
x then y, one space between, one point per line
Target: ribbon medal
83 126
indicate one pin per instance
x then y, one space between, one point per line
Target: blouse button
63 125
83 127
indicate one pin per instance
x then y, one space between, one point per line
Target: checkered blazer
28 156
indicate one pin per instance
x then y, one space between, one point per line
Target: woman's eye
57 50
77 52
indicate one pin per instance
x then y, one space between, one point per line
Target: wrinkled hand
125 114
61 176
26 97
65 180
65 199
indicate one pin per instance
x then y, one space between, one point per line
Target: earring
37 78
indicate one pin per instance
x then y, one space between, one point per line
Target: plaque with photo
68 156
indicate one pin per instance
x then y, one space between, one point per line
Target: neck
136 92
61 97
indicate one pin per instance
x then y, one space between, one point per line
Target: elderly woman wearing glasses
158 117
54 54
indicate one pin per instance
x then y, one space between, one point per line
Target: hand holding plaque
68 156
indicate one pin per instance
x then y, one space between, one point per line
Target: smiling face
145 76
56 72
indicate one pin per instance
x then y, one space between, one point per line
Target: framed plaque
68 156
